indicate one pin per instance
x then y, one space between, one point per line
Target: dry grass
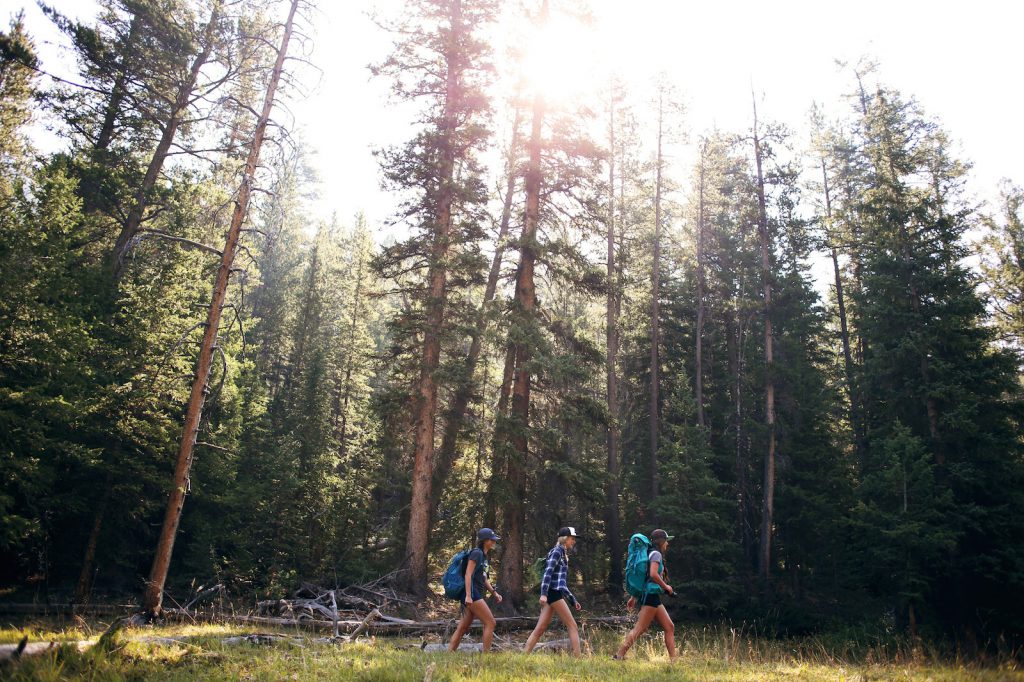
714 654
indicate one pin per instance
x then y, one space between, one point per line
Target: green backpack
537 570
638 566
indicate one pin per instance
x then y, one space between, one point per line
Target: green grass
706 654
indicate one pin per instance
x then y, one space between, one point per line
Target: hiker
477 584
651 607
554 592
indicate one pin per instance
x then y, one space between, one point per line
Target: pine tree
1003 266
928 362
767 277
561 179
17 61
613 307
456 414
440 60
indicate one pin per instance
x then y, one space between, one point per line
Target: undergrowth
713 654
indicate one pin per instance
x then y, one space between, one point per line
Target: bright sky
963 61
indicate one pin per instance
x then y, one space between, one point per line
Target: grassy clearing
706 654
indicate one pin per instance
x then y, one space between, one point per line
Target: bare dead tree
200 384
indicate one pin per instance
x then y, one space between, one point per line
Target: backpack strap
647 578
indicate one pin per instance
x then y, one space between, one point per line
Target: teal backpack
454 578
638 566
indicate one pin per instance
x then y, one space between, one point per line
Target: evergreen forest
797 347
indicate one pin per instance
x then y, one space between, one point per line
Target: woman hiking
554 592
651 607
477 584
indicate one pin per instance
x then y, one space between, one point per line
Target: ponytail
561 543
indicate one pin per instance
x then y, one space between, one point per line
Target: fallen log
163 641
68 609
463 647
383 625
309 600
554 645
109 640
334 612
262 639
203 594
24 648
362 626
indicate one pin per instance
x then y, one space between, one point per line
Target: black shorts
554 595
649 600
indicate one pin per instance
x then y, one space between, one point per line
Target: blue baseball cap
487 534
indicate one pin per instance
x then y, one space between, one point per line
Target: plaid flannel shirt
556 572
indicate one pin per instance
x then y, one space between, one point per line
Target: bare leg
665 621
643 622
542 625
563 611
460 630
483 612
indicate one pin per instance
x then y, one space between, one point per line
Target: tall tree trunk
698 382
92 194
456 416
655 330
511 575
200 383
180 106
744 527
612 532
84 586
851 387
418 538
119 91
768 500
496 483
346 391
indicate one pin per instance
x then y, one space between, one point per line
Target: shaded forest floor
188 652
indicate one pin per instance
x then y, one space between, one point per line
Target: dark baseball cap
487 534
659 534
567 532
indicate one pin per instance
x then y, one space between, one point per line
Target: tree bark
612 531
182 100
153 602
768 499
418 539
511 575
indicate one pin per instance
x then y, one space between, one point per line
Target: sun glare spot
560 60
